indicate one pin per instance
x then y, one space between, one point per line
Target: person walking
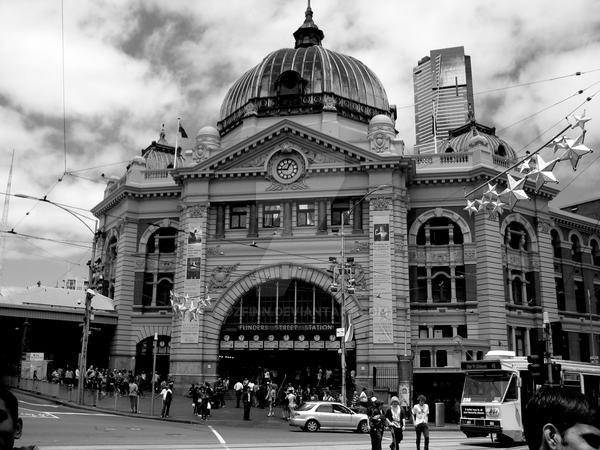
396 421
133 391
420 413
376 423
291 403
237 387
167 396
247 401
270 399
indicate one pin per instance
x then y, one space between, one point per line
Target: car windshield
305 407
485 387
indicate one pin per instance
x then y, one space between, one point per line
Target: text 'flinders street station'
300 230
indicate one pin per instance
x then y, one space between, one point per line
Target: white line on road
218 436
39 404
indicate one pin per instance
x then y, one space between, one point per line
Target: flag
349 335
182 131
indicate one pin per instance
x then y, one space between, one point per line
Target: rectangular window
272 216
237 218
580 302
338 209
193 268
305 215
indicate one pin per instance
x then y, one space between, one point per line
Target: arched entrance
287 327
144 355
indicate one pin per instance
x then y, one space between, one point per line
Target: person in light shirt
420 413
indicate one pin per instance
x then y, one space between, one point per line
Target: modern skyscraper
443 88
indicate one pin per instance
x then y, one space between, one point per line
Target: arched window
575 249
439 231
595 250
501 151
555 243
449 150
424 358
162 241
516 237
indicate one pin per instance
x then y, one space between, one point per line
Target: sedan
312 416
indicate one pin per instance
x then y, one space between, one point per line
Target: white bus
498 387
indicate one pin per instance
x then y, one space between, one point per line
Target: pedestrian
270 398
376 423
363 399
396 420
247 401
133 395
291 402
558 418
420 413
194 395
237 387
11 425
167 397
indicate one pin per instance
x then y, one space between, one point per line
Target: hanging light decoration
534 168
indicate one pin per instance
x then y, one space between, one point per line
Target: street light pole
343 283
154 351
89 294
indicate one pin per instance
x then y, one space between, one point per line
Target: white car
312 416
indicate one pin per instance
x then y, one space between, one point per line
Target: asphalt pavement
181 411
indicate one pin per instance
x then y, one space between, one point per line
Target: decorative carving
319 157
259 161
297 186
250 109
544 227
329 103
381 203
201 152
196 211
220 275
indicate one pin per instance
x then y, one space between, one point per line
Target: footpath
181 409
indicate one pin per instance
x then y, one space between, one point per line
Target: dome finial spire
308 34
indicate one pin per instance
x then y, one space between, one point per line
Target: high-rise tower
443 88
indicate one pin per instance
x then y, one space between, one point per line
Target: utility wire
23 235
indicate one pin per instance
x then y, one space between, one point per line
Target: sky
86 84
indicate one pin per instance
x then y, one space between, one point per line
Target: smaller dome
381 119
208 131
473 135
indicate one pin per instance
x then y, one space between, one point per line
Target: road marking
39 404
218 436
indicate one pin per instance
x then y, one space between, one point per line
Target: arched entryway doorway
288 328
144 355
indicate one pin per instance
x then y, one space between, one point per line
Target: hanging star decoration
514 191
574 151
472 207
534 168
543 172
187 307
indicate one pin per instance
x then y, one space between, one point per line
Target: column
253 220
513 339
287 219
429 287
452 284
220 229
322 218
490 286
527 341
357 219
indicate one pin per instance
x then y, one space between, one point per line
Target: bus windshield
488 387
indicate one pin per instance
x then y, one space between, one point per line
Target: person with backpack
167 396
133 391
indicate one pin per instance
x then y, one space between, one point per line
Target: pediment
319 151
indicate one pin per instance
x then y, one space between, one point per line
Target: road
52 426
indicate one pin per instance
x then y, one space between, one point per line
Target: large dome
305 79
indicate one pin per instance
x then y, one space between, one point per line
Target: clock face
287 169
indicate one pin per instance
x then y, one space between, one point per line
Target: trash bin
440 418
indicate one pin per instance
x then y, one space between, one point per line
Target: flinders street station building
300 227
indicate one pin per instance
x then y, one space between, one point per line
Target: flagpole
176 136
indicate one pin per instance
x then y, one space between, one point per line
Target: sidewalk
181 410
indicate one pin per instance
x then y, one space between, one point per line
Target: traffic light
536 368
536 365
556 371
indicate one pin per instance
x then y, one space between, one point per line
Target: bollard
440 410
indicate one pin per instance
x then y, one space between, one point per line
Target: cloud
131 66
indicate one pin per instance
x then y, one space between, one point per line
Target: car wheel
363 427
311 425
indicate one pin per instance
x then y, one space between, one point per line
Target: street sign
594 359
339 332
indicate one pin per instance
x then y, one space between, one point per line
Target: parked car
312 416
